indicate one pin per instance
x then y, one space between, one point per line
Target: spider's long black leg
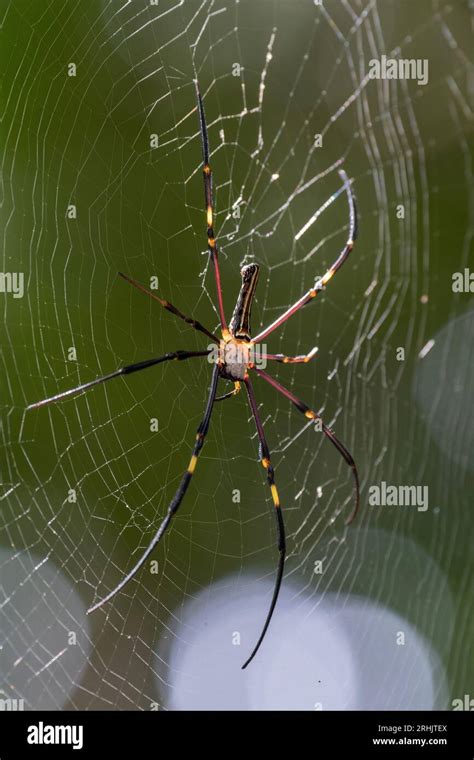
266 462
322 281
127 370
209 201
169 307
177 498
311 415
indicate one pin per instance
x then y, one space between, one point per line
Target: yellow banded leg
178 497
266 462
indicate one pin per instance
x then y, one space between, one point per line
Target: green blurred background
85 140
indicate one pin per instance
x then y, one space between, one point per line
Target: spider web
85 482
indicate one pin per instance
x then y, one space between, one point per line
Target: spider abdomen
234 358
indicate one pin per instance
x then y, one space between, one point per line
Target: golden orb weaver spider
234 362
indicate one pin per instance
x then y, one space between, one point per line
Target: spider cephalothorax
233 359
239 325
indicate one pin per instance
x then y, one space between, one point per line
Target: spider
233 361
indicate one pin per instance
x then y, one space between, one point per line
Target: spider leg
127 370
209 201
177 498
322 281
230 393
303 359
310 414
169 307
265 457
